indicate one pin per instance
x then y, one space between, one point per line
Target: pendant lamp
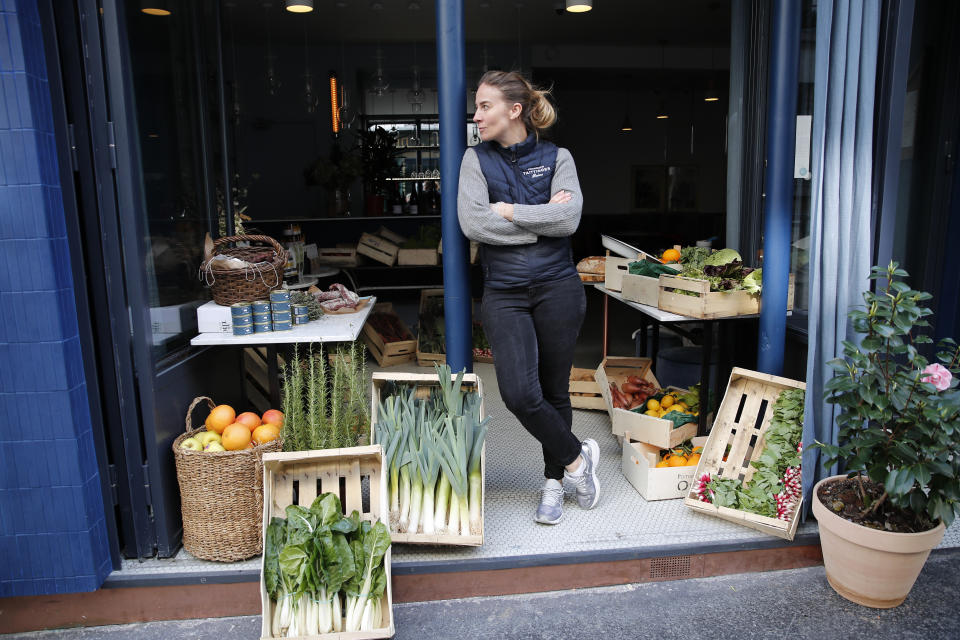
155 7
579 6
299 6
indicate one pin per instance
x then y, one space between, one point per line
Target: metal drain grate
675 567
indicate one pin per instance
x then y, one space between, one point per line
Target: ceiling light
626 126
155 7
299 6
334 103
579 6
711 93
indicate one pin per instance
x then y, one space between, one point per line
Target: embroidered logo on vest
536 172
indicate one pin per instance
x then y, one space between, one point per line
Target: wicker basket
221 497
229 286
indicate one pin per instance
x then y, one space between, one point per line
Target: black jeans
532 332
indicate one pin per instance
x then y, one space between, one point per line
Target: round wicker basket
254 282
221 497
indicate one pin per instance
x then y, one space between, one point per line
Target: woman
520 199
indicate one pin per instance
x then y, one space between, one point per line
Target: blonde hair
537 113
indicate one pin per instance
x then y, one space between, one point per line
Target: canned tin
262 327
280 295
242 329
242 322
301 319
282 326
261 306
241 309
300 309
279 306
282 316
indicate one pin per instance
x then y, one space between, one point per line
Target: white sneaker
550 510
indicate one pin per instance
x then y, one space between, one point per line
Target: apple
192 444
214 446
272 416
206 437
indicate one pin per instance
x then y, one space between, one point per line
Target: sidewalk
796 604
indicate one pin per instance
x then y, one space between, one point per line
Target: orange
220 417
671 255
265 433
653 405
667 401
693 459
677 461
236 436
662 463
272 416
250 419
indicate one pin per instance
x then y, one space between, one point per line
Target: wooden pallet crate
380 249
415 257
584 390
656 431
741 422
706 304
298 477
388 354
336 256
424 382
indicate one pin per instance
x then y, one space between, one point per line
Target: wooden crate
614 269
584 390
708 304
425 257
426 359
642 289
656 431
424 381
380 249
315 472
388 354
337 256
386 234
742 420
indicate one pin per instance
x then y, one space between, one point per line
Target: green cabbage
753 283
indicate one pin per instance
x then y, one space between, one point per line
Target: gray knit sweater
481 224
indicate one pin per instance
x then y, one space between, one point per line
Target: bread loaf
593 264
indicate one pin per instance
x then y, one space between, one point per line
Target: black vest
522 174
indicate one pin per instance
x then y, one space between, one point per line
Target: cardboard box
742 420
655 431
214 318
424 382
175 318
425 257
378 248
708 304
584 390
639 466
388 354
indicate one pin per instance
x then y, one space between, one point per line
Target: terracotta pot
870 567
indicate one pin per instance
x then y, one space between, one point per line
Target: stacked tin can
280 305
262 319
301 313
241 316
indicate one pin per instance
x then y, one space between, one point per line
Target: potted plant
899 437
378 153
336 173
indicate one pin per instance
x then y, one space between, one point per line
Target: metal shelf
409 179
345 218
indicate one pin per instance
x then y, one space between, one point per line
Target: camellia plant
899 413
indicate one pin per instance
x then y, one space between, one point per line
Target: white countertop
341 327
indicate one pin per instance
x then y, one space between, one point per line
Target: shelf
409 179
344 218
430 147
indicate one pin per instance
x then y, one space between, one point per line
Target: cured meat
337 297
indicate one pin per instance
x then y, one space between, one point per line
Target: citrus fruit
677 461
652 413
693 459
653 405
236 436
272 416
667 401
670 255
265 433
662 463
683 405
220 417
250 419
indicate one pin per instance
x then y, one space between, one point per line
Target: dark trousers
532 332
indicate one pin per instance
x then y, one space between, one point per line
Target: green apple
214 446
192 443
206 437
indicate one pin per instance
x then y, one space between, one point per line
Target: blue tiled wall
53 534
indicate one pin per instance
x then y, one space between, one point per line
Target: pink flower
937 375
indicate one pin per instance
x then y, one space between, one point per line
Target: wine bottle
396 203
413 207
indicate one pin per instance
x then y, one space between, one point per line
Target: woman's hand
561 197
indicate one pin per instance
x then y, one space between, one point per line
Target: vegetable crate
380 249
639 465
387 350
656 431
425 358
641 289
425 257
300 476
584 390
693 298
614 270
337 256
424 382
742 419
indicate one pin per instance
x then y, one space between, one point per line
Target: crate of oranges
660 474
223 459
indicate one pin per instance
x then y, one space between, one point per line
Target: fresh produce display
428 237
686 455
481 347
631 394
724 269
226 431
433 448
389 327
431 335
325 404
323 571
670 255
774 490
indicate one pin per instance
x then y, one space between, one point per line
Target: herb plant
899 414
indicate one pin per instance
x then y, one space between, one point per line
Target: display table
339 327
